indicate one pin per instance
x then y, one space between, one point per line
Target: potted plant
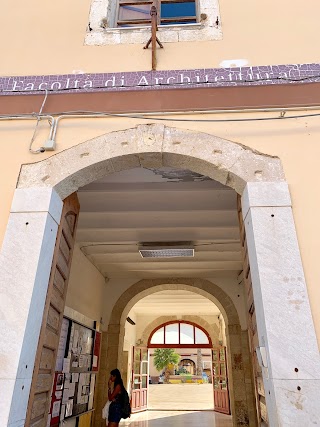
165 359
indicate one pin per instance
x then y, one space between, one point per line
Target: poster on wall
73 391
62 344
80 348
56 398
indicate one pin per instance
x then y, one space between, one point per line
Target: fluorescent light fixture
166 250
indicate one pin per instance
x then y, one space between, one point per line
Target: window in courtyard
170 12
158 337
181 334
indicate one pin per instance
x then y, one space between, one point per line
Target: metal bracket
153 39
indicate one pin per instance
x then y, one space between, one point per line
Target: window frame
160 20
179 345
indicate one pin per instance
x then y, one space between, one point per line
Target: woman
114 397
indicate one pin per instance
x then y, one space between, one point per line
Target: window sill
167 34
160 27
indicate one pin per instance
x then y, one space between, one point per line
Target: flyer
58 394
56 409
75 377
65 397
95 362
69 407
66 365
72 389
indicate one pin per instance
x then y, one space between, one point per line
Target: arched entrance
270 237
181 338
242 402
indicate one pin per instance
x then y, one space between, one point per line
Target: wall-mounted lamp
130 321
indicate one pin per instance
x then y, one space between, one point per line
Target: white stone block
37 200
20 402
25 264
135 36
284 319
168 36
263 194
297 408
97 12
20 423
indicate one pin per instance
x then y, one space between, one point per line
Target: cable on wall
41 149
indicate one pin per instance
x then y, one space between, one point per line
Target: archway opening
132 209
182 326
100 161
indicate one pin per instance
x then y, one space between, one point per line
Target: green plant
165 358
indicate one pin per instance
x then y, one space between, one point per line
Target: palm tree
199 362
163 358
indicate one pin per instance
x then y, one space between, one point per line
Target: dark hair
118 380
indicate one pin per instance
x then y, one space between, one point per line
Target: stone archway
277 279
240 381
151 146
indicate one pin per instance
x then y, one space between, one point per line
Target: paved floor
180 396
183 405
178 419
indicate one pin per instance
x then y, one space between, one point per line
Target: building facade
110 146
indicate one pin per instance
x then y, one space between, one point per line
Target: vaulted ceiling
125 209
173 302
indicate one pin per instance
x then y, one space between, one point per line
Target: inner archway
241 402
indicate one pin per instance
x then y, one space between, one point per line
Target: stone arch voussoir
147 287
151 146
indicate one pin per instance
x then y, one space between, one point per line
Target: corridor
178 419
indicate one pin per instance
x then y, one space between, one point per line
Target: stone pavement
179 405
180 396
178 419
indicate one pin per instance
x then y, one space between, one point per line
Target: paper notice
75 377
58 394
72 388
95 362
81 360
65 396
75 342
69 407
62 344
56 409
66 365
